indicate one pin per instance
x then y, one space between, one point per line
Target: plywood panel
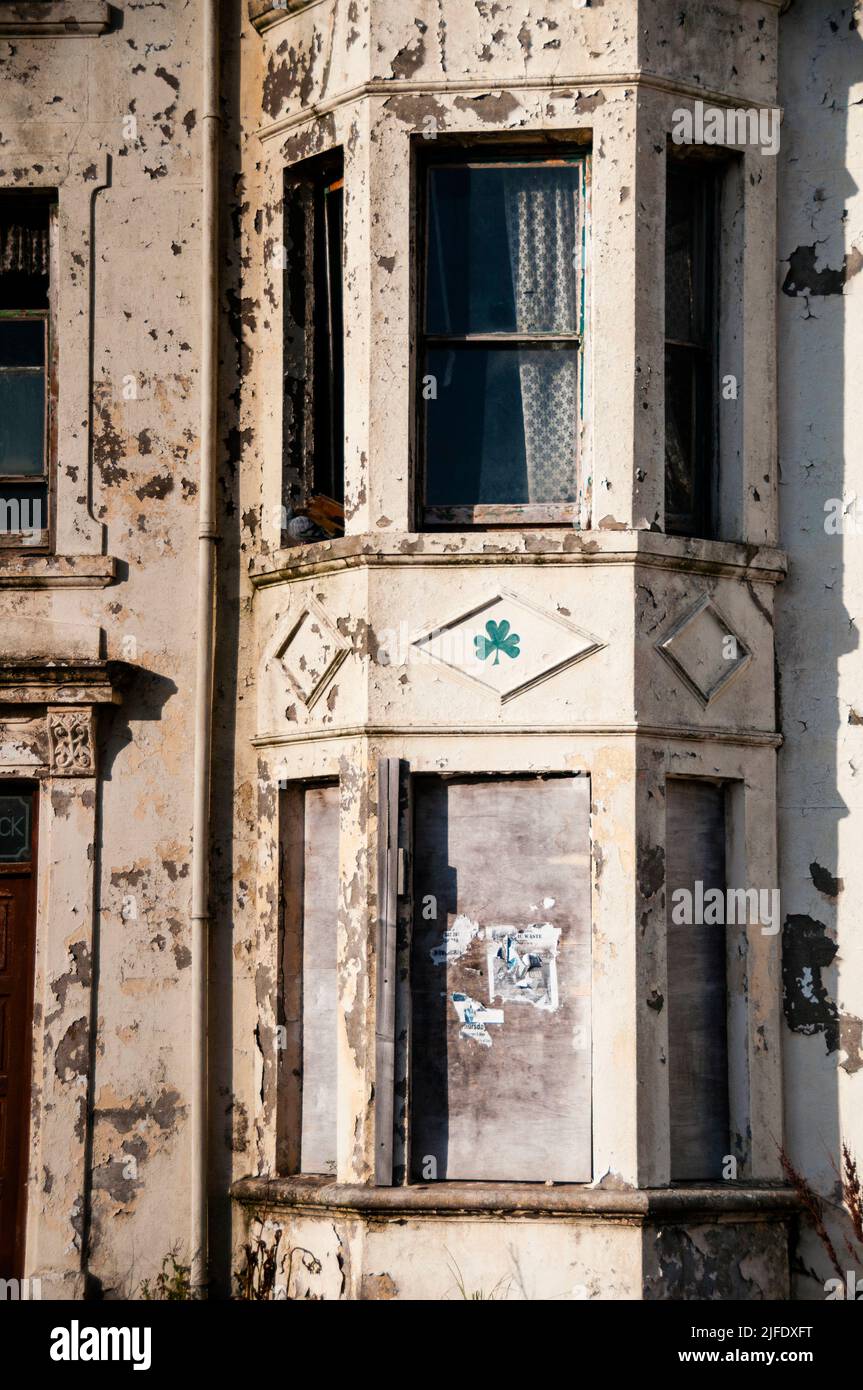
697 997
500 1042
320 995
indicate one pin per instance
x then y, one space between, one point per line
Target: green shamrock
499 639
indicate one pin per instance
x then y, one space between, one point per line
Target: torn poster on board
474 1017
455 941
522 965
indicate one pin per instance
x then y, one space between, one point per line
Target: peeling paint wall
113 120
820 254
375 79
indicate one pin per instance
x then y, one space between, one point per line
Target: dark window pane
23 512
22 342
16 829
503 246
679 321
24 251
680 501
22 421
690 446
313 404
503 426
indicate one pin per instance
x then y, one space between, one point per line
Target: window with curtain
501 359
25 370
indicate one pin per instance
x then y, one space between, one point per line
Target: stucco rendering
429 665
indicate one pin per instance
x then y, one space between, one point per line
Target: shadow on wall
821 60
228 1121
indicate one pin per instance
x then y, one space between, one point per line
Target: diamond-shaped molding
311 652
705 651
506 644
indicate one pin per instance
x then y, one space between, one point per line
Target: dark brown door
17 949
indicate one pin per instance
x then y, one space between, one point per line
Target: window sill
564 545
511 1199
264 13
57 19
22 570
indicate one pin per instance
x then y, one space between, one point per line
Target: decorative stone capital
71 742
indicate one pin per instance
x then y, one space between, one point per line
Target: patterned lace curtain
23 249
542 224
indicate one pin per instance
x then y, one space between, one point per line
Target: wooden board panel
320 993
385 949
697 1029
500 1039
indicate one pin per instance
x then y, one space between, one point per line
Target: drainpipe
205 636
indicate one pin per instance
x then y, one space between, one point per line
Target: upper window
501 356
25 370
314 372
692 201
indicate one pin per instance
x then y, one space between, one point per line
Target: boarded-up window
500 980
697 993
310 867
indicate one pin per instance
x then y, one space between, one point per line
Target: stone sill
264 13
21 571
725 1200
58 19
563 546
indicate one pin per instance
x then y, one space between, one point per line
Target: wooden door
17 950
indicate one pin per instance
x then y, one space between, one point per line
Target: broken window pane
501 364
313 416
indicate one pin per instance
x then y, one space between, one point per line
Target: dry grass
813 1205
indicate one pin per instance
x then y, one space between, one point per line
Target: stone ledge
734 1202
564 546
20 571
56 19
69 682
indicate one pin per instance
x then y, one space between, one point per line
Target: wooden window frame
48 316
498 514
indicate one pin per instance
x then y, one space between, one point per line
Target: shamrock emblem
499 639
